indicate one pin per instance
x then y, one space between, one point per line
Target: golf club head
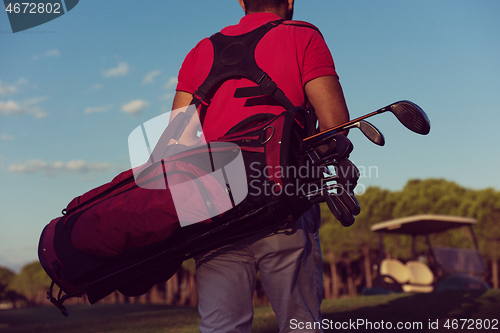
338 209
411 116
370 131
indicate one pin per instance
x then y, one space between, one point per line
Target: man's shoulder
301 24
202 46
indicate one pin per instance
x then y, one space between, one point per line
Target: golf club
339 209
369 130
408 113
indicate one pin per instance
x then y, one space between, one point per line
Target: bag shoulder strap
234 57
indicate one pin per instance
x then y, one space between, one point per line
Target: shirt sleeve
318 60
184 82
192 70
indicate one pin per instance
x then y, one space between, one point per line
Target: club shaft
341 126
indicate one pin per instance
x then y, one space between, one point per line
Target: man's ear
242 4
290 4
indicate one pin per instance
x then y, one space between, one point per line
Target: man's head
283 8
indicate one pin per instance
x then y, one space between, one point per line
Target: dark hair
255 6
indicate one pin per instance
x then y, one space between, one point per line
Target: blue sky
73 89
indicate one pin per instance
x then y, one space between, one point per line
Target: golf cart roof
422 224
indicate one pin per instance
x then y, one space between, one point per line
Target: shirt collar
259 18
250 22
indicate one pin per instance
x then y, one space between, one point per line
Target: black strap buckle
199 98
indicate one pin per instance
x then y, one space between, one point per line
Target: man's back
292 54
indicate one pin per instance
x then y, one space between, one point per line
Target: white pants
290 268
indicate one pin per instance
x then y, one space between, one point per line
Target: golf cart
431 267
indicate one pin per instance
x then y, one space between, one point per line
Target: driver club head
411 116
370 131
408 113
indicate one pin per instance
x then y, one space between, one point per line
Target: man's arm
189 136
181 99
327 98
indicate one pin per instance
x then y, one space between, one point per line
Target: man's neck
281 12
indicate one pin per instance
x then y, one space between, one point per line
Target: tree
6 276
430 196
347 245
484 206
32 282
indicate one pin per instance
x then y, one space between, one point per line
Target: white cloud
59 167
6 137
9 107
120 70
135 107
150 77
27 107
30 167
53 53
172 82
48 54
35 100
97 86
11 89
21 81
7 89
98 109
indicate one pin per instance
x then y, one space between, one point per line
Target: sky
72 90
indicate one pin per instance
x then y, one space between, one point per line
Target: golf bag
136 231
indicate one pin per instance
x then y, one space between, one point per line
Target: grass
417 310
433 308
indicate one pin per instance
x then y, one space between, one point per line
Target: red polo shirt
291 55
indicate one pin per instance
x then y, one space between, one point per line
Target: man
296 57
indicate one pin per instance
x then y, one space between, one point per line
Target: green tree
430 196
484 206
32 282
346 245
6 276
376 206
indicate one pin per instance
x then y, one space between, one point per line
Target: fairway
412 312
